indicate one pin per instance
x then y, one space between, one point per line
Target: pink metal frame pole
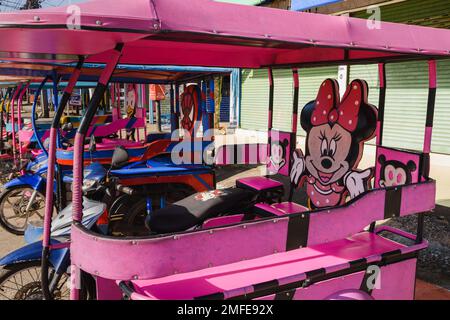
381 102
271 92
432 78
295 103
144 106
77 201
136 106
19 117
119 112
79 139
294 121
50 179
52 162
13 120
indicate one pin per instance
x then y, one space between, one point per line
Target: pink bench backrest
281 145
398 167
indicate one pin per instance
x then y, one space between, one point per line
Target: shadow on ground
434 262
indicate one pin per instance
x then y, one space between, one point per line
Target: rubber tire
2 219
139 204
88 292
9 270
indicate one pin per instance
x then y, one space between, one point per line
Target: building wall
430 13
344 6
407 82
255 95
280 4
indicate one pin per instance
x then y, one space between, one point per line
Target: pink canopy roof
208 33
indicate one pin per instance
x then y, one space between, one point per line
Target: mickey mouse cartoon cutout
278 151
336 132
395 173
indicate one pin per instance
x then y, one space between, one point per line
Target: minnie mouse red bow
330 110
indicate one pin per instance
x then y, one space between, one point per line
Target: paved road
9 242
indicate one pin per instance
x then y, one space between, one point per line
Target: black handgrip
123 189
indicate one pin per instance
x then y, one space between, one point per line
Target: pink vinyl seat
261 210
279 209
269 190
237 276
259 184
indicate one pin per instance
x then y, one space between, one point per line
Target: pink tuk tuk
330 249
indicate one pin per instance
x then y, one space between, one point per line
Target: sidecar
294 252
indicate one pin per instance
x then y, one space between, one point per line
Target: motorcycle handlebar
126 190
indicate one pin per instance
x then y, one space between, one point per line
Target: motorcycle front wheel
20 205
22 281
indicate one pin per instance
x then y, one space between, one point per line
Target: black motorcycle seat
195 209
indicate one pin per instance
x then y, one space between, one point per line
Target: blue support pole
151 110
204 112
235 98
211 108
49 96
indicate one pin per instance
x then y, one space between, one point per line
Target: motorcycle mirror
120 157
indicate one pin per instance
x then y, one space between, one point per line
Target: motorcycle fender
33 252
36 182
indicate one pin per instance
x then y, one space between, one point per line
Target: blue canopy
299 5
124 73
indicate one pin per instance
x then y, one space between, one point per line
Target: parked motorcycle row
121 187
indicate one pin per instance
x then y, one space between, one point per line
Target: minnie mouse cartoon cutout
336 132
